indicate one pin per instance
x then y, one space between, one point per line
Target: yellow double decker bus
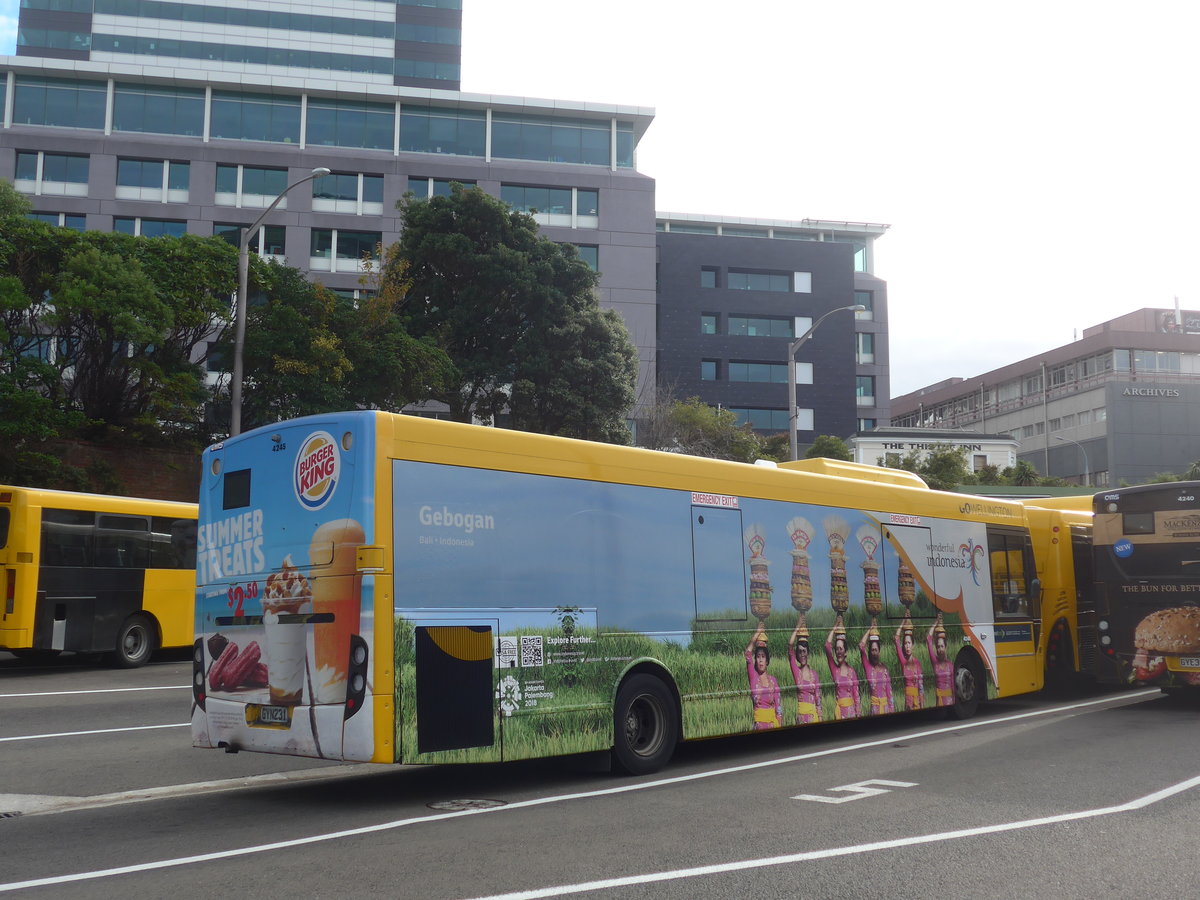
92 573
389 588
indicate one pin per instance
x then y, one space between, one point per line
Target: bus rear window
1137 523
236 487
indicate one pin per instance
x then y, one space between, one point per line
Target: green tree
1023 474
703 430
942 466
494 294
576 367
829 446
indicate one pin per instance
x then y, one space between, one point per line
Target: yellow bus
92 573
395 589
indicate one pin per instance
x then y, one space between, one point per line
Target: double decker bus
93 573
1147 565
388 588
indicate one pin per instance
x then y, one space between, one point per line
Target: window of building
739 280
158 110
978 461
54 39
763 373
760 327
343 123
51 174
352 193
1121 360
59 101
1099 415
61 220
256 54
804 373
149 227
250 187
428 34
864 390
551 139
802 282
1085 417
866 424
771 419
708 277
338 250
590 254
1032 384
708 370
1156 361
867 299
428 69
708 323
1038 428
435 130
255 117
569 207
153 179
692 228
864 347
269 241
424 188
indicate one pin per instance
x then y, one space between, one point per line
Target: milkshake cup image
286 605
337 591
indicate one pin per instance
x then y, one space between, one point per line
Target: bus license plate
263 716
1189 662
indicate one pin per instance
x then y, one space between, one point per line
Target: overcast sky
1036 161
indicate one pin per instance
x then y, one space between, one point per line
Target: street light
792 348
1087 471
239 334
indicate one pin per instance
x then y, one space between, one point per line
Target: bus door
1016 607
456 704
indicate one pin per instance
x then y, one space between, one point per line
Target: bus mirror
1035 589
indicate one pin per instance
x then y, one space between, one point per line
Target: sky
1035 160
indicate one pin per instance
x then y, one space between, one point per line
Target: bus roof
28 496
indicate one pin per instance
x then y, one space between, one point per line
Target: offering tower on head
837 530
872 595
760 582
800 530
906 586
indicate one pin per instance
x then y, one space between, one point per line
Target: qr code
531 650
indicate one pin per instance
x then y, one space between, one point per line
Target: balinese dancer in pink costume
910 667
808 682
879 679
764 689
943 668
845 679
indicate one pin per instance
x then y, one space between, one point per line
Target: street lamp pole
239 334
1087 470
791 365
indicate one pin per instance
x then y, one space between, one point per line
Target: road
1037 796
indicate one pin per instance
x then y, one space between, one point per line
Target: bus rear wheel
646 725
969 685
135 643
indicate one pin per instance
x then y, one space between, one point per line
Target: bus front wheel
135 643
646 724
969 685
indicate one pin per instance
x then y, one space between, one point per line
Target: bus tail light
198 672
356 680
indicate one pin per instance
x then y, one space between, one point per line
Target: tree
942 466
828 446
515 313
576 367
703 430
1023 474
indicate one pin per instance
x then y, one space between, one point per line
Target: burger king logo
318 467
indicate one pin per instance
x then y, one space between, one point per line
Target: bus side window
1010 590
173 543
122 542
67 537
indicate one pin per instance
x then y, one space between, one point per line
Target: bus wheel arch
646 720
1060 658
970 684
137 639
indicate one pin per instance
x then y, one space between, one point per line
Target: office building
1117 406
734 293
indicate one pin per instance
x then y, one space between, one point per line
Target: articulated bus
395 589
92 573
1147 563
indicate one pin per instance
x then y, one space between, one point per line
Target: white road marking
164 687
1136 696
38 737
857 791
742 865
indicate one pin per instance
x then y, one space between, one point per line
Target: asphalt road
1038 796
